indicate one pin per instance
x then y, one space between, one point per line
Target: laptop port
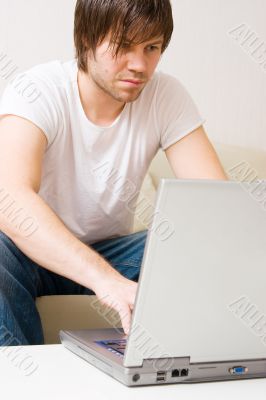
136 378
161 376
175 373
184 372
238 370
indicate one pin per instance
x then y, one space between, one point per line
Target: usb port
161 376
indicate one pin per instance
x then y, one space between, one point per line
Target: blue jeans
22 280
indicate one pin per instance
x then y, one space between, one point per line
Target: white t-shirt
91 174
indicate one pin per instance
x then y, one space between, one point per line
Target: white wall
226 81
224 78
36 31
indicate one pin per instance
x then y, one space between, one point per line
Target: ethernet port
184 372
175 373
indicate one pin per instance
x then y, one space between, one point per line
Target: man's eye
152 48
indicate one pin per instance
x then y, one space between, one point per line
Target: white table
62 375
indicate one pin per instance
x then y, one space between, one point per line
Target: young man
65 130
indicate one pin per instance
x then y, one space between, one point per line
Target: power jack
136 378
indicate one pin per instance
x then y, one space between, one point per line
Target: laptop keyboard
116 346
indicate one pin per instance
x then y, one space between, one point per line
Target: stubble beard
111 90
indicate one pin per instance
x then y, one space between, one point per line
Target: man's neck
97 105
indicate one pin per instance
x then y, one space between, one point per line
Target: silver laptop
200 310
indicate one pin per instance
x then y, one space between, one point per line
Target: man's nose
137 61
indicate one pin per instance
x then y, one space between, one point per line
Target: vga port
238 370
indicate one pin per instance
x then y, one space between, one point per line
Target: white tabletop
59 374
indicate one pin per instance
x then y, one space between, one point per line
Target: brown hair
129 21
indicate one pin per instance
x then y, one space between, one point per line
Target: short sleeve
32 98
177 114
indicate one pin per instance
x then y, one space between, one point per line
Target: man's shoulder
53 74
161 88
162 80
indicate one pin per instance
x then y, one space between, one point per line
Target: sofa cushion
73 312
233 157
239 163
230 156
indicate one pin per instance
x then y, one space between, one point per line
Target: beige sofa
77 312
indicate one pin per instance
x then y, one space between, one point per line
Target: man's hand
118 293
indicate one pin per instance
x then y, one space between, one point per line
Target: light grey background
227 84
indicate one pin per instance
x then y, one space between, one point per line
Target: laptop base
177 370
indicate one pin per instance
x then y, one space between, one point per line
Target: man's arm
51 244
194 157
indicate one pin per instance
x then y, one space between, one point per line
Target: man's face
123 77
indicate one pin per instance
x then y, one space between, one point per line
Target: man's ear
88 52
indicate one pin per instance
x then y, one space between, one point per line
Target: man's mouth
133 82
